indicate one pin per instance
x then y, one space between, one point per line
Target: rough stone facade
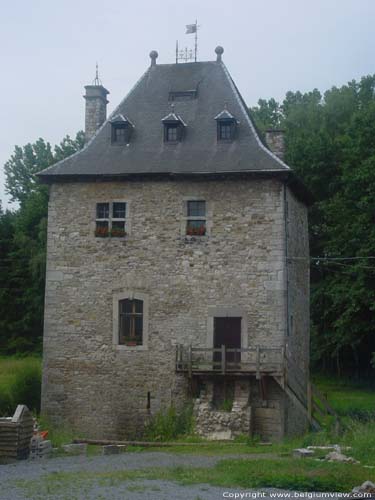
103 390
219 424
96 109
276 142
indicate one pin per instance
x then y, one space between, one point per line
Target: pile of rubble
335 455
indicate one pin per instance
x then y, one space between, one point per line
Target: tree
23 244
330 143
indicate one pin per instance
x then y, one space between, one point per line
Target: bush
6 405
170 425
26 387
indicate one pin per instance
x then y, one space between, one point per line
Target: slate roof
199 152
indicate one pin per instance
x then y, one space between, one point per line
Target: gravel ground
140 489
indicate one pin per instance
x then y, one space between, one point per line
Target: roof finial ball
219 52
153 57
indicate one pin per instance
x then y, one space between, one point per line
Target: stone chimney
275 142
96 107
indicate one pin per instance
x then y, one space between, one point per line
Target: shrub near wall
20 383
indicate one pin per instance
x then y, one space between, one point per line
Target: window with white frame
196 218
111 219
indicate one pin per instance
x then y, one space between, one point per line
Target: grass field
346 396
19 383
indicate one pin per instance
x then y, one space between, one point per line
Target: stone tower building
177 265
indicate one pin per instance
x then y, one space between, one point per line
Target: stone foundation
217 424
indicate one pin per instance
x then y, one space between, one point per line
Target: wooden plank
318 395
190 361
223 359
258 364
309 402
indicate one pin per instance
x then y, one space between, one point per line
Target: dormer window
174 127
122 129
226 126
171 133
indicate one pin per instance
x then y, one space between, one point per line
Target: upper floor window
226 126
174 128
225 131
122 129
171 133
130 322
110 219
196 218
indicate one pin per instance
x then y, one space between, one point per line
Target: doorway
227 331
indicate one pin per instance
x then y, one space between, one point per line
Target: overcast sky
49 49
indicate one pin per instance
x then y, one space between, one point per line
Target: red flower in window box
131 343
196 231
118 233
101 232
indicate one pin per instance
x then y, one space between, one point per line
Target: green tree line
330 143
23 236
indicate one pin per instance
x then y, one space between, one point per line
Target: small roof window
226 126
174 127
122 129
182 95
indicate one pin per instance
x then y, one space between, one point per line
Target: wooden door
227 331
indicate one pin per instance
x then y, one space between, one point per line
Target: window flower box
196 231
101 232
118 233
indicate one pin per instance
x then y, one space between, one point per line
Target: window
110 220
119 134
196 218
226 126
122 129
174 127
182 95
130 322
171 133
225 131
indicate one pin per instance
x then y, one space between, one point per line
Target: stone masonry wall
88 382
298 340
218 424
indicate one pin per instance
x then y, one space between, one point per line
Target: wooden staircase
306 396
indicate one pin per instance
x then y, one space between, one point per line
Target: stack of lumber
16 433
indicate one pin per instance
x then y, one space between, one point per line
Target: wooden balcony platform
256 361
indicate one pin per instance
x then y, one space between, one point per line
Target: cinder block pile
39 447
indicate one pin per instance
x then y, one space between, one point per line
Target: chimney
275 142
96 107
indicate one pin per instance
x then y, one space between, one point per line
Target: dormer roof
120 119
173 118
224 115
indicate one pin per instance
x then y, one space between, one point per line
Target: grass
288 473
347 397
20 380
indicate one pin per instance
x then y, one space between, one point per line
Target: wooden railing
223 360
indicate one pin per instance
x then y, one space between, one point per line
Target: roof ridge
248 119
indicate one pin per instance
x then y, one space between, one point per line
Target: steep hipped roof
198 153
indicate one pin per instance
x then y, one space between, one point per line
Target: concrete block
303 453
75 448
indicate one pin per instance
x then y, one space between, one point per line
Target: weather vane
187 54
97 80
